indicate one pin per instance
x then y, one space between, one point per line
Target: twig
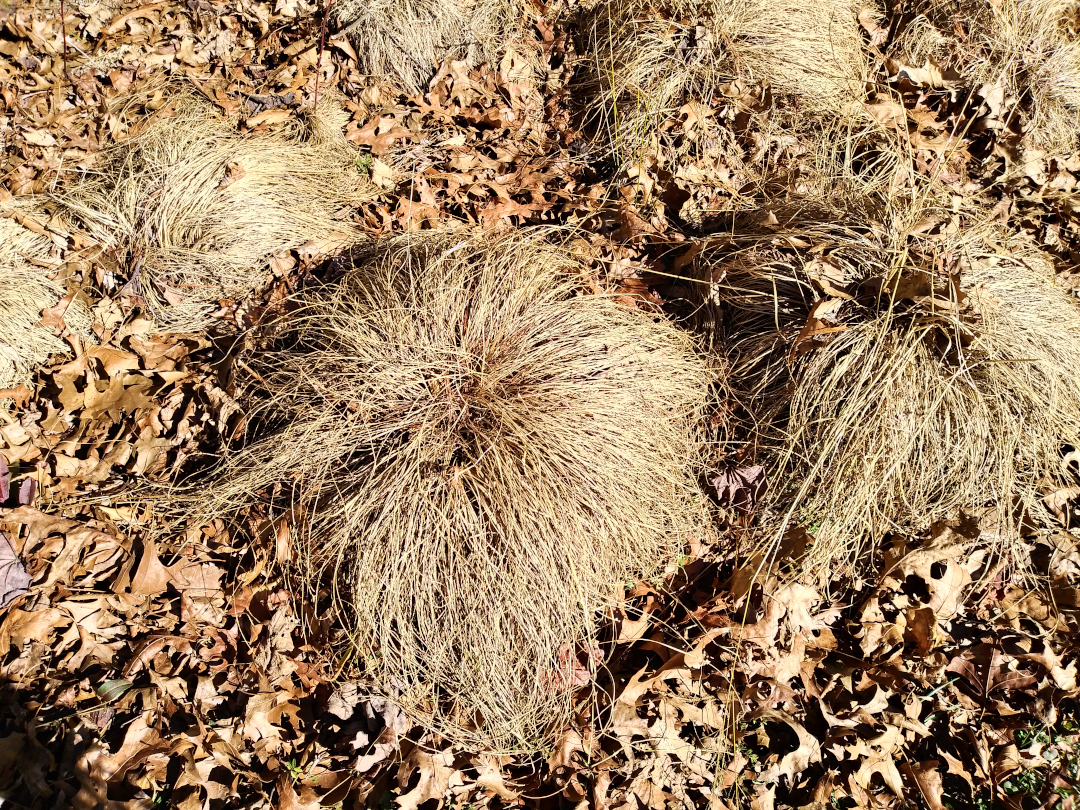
63 36
318 60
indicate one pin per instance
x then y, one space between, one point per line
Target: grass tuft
195 209
475 456
648 60
901 371
1028 49
27 252
406 39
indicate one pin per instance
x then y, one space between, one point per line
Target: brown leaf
834 280
53 317
288 799
985 669
233 172
437 776
927 780
113 361
1037 650
940 565
1061 502
765 798
20 626
816 326
122 394
151 577
794 762
20 396
490 776
868 19
878 755
887 110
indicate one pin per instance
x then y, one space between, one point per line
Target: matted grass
900 375
475 457
405 40
193 208
26 255
648 59
1030 49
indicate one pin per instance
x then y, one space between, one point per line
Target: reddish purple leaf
14 579
741 488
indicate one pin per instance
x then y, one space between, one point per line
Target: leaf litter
142 671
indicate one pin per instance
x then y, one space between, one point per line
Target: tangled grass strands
475 457
27 250
1026 50
894 394
405 40
196 208
648 60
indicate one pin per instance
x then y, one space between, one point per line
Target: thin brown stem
322 43
63 36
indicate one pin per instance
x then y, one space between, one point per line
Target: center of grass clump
483 454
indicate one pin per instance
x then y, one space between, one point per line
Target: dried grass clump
25 291
476 457
406 39
649 59
890 395
1028 48
195 208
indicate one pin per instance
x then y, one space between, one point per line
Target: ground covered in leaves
142 672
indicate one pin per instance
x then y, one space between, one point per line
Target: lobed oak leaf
437 776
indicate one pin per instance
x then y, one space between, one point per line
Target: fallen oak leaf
53 317
806 751
21 626
123 394
1037 650
437 776
490 776
20 395
68 546
984 668
821 321
1060 502
868 19
289 799
928 781
113 361
574 668
152 577
233 172
146 651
